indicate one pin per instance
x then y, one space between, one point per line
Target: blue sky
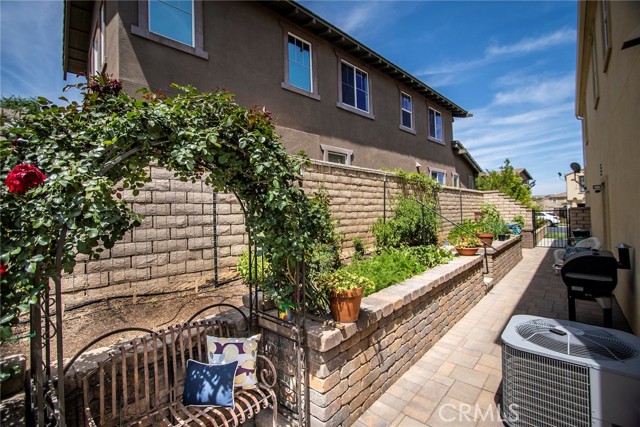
511 64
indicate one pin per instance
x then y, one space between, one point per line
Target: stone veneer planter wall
351 366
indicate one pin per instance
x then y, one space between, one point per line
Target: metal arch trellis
300 409
46 391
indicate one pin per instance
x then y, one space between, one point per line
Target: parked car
551 220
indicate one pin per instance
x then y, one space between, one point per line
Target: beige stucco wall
610 132
245 44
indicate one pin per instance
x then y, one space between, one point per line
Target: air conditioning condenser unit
559 373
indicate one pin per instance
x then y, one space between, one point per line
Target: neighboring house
550 202
331 96
608 103
575 189
526 177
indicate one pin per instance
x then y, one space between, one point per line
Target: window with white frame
594 73
336 154
172 19
355 87
174 23
438 175
97 46
299 63
406 111
456 180
606 34
435 124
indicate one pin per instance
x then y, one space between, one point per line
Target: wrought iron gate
556 227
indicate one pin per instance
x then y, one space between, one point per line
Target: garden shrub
406 226
491 221
359 249
393 265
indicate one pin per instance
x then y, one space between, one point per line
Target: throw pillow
209 385
242 350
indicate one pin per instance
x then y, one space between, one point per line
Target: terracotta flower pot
485 237
467 251
345 305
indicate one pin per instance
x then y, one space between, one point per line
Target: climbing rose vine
88 153
24 177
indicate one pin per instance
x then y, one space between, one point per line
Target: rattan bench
141 381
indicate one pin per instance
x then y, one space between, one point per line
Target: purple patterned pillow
242 350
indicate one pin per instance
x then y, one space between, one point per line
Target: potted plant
490 224
466 245
345 291
462 237
285 311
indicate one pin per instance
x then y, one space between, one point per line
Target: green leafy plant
518 219
359 249
507 181
491 221
341 280
406 227
463 236
262 267
393 265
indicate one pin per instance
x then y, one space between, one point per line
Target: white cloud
538 91
494 53
562 36
356 18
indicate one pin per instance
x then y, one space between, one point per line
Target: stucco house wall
244 52
607 101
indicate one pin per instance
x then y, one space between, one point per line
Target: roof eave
311 22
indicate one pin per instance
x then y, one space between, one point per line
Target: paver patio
457 382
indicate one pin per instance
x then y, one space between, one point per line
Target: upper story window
472 182
172 19
300 71
606 34
406 111
97 46
355 87
456 180
435 124
174 23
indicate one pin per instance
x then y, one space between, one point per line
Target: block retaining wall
352 365
580 218
173 248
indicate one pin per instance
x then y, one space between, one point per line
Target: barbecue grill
593 276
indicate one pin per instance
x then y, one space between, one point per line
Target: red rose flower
3 268
23 177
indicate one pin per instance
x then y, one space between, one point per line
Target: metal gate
556 227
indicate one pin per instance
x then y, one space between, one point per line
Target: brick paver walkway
457 382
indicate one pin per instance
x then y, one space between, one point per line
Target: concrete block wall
174 245
508 207
580 218
457 204
502 260
356 196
